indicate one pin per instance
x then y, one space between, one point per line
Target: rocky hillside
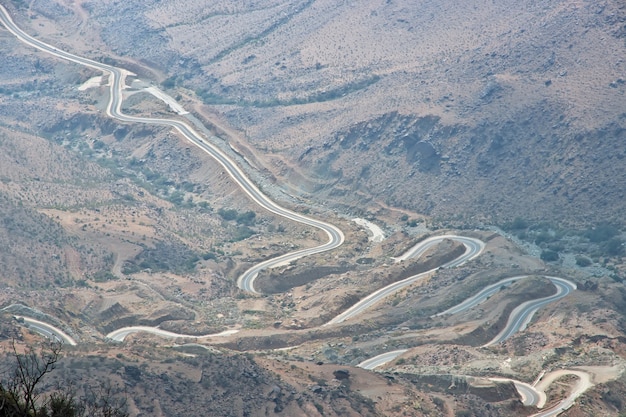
442 114
485 110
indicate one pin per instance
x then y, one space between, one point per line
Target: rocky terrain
523 97
423 118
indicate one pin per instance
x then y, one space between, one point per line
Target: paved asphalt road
517 321
117 84
380 360
473 248
530 395
48 330
485 293
120 334
522 314
583 384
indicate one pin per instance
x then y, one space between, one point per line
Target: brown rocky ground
526 93
106 225
516 96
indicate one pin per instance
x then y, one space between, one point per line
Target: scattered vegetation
164 257
244 221
103 276
603 240
212 98
247 218
549 255
582 261
242 233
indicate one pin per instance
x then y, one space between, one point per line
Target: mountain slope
528 97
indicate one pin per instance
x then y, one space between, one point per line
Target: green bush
601 233
169 82
246 218
544 237
171 256
518 224
209 255
103 276
228 214
177 198
614 246
582 261
204 206
549 256
242 233
98 144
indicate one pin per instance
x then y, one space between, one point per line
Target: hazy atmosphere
312 208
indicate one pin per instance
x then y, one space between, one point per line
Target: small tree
582 261
519 223
22 390
549 255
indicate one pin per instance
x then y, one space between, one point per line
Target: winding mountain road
531 396
53 333
582 385
473 248
522 314
518 319
116 86
481 296
380 360
246 281
120 334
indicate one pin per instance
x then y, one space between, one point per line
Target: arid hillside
464 160
483 110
